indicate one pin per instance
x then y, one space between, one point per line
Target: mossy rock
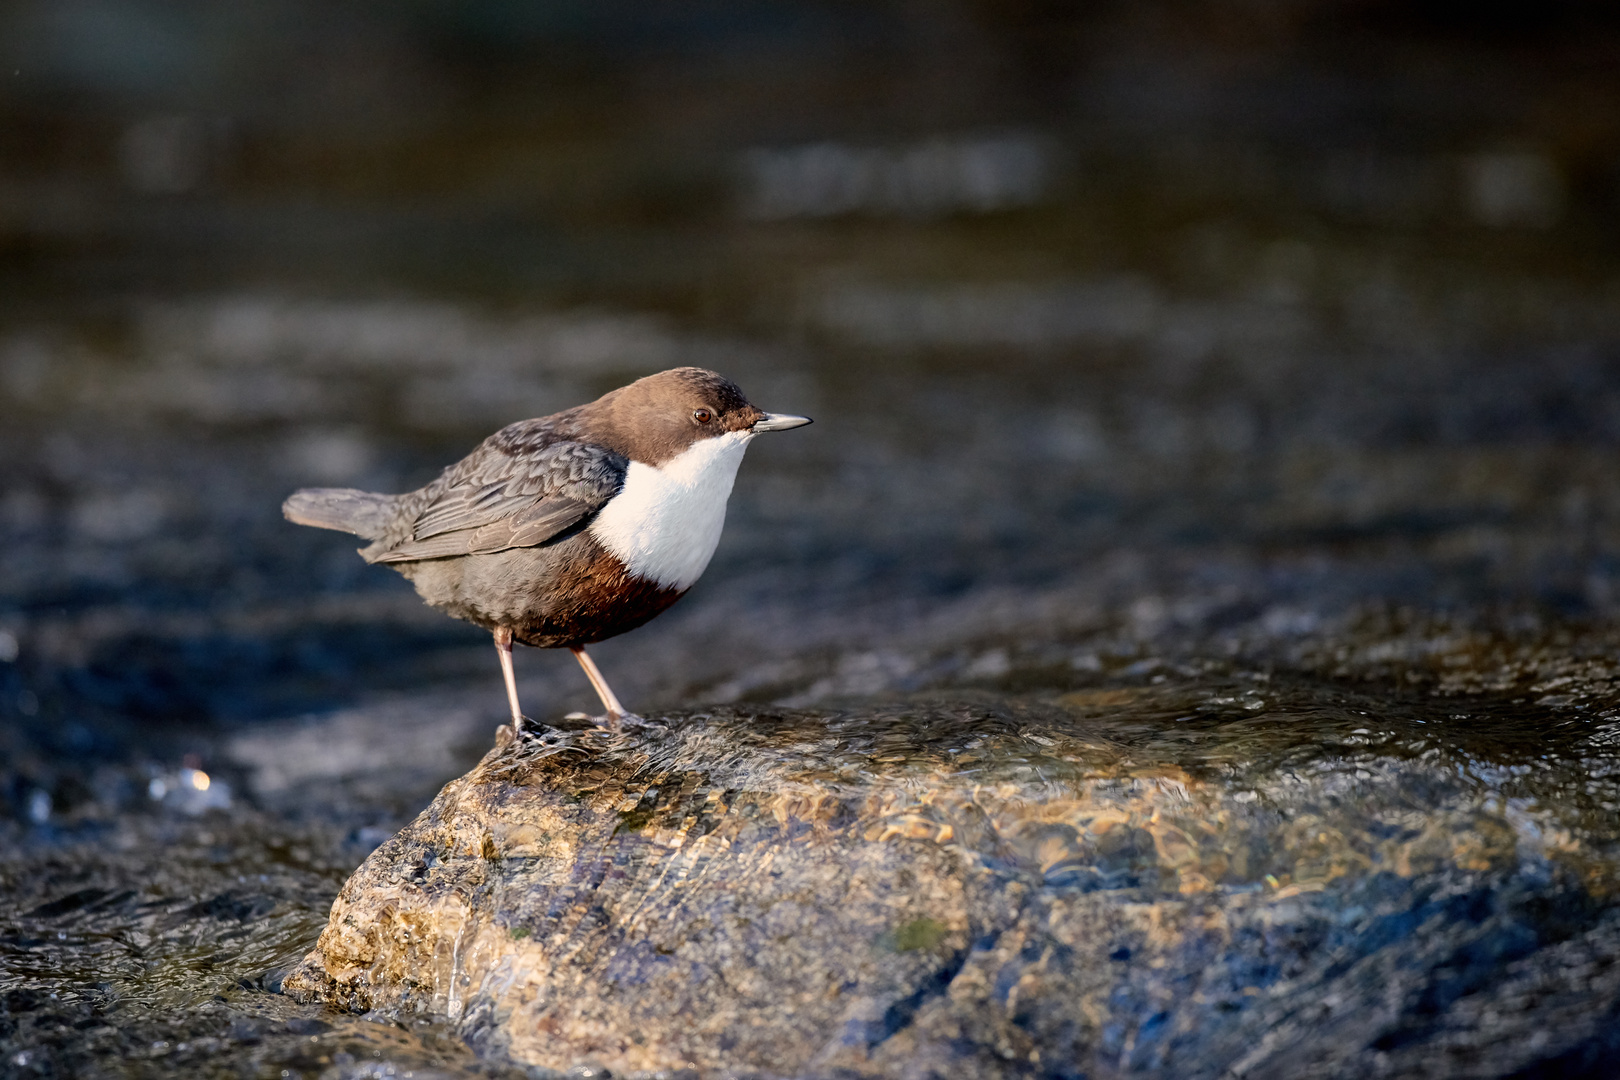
951 890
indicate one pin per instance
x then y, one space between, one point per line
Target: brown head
655 418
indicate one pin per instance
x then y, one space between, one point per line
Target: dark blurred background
1137 334
1239 380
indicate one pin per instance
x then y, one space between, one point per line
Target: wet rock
985 890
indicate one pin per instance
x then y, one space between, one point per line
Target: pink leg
503 648
603 690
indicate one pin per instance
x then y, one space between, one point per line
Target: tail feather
364 513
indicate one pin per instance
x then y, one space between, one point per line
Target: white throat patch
666 522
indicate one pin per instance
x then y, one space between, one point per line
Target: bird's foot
516 731
610 721
632 722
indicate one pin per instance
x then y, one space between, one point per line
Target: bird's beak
775 421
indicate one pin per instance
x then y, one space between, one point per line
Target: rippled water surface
1239 400
152 941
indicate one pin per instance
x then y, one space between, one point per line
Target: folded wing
497 499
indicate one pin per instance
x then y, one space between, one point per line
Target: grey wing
499 500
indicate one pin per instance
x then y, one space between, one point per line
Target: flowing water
1276 455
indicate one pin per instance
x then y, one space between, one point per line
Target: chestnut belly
571 592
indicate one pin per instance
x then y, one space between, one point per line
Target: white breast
665 523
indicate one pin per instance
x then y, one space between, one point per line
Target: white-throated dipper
570 529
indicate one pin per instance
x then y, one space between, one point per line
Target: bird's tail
364 513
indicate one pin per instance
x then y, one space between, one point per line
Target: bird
569 529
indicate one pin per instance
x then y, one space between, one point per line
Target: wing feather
505 496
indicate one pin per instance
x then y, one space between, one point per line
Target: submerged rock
993 890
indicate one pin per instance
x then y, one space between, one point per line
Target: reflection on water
1459 853
146 946
932 179
1325 647
1233 394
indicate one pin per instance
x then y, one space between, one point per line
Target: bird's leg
614 710
503 649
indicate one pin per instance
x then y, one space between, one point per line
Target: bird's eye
702 416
